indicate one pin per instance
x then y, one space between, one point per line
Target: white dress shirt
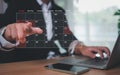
47 17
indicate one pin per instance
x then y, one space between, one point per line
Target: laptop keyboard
96 61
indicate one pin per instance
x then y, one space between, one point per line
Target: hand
18 31
91 50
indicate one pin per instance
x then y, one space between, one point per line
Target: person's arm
17 33
71 48
78 47
4 44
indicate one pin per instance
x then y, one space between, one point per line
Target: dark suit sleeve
9 16
68 34
61 28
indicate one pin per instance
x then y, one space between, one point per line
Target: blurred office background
92 21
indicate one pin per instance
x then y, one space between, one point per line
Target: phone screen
67 68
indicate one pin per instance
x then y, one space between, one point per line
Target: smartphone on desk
67 68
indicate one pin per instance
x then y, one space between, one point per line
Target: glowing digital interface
62 36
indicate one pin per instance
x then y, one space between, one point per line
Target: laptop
105 63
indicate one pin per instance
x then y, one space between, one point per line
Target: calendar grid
60 29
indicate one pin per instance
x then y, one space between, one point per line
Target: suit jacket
20 10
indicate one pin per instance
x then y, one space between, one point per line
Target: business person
44 5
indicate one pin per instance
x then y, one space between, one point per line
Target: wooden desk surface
36 67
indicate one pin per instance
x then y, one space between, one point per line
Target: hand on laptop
17 32
90 51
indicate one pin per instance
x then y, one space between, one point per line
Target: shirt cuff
4 44
72 46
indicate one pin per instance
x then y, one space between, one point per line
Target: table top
36 67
